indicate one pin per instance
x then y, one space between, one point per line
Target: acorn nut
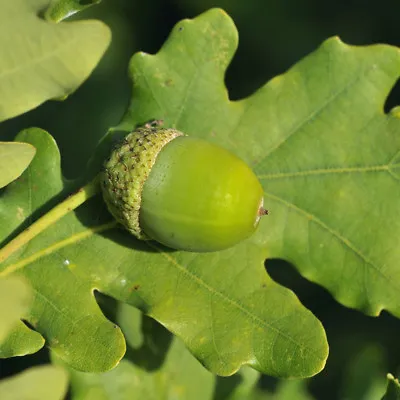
183 192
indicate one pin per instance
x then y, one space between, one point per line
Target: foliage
43 61
329 161
15 299
39 383
393 389
14 159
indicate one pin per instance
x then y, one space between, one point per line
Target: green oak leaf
393 388
64 308
37 383
14 159
286 390
15 298
21 341
240 386
327 212
327 155
196 296
42 60
175 380
176 374
364 375
61 9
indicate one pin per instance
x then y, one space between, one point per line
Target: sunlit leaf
38 383
61 9
15 298
42 60
14 159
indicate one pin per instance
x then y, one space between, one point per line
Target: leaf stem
70 203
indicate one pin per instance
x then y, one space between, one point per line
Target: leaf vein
334 233
255 318
38 60
325 171
56 246
311 116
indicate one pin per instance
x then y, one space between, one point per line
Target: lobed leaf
178 376
64 308
158 367
223 305
327 155
42 60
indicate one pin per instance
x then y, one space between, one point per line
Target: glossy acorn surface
199 197
195 196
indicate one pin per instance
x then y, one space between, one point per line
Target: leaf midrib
38 60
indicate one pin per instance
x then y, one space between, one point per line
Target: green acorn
183 192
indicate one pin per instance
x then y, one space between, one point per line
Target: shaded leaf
178 376
286 390
364 376
240 386
41 60
38 383
14 159
127 382
393 388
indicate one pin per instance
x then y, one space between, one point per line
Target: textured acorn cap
126 171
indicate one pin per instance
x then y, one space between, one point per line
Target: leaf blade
14 159
317 138
37 383
44 60
15 299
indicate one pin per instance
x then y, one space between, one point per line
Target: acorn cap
127 169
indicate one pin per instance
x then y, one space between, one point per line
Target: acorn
183 192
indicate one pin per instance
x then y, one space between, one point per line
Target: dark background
273 35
